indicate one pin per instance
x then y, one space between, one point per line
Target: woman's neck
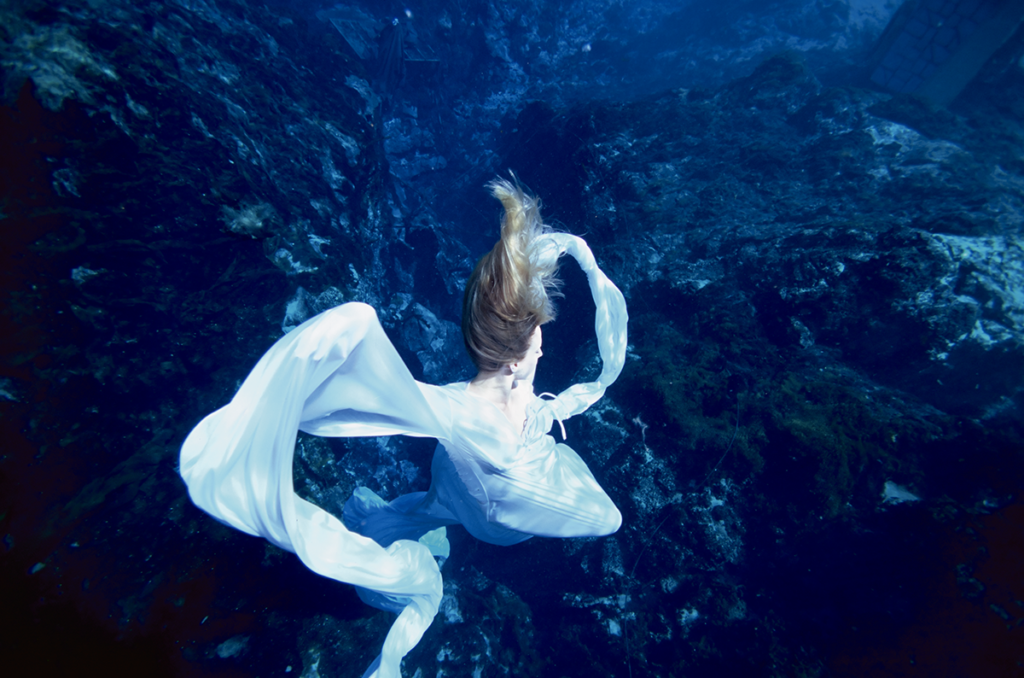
510 396
495 385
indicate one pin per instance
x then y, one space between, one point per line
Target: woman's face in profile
527 367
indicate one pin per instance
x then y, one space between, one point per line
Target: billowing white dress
338 375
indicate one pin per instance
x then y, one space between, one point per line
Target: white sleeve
610 324
336 374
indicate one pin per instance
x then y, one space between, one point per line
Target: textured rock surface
816 443
811 285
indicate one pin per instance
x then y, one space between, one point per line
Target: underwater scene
254 425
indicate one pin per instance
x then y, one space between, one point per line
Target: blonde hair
509 293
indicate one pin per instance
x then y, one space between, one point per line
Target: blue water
816 443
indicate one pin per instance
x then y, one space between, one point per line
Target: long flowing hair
509 293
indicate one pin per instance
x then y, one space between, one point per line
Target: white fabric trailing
338 375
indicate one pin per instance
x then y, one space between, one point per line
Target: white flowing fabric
338 375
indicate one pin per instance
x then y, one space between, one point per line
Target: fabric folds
338 375
237 462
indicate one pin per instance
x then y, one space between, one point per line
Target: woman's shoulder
454 392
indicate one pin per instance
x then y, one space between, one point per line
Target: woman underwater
495 470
